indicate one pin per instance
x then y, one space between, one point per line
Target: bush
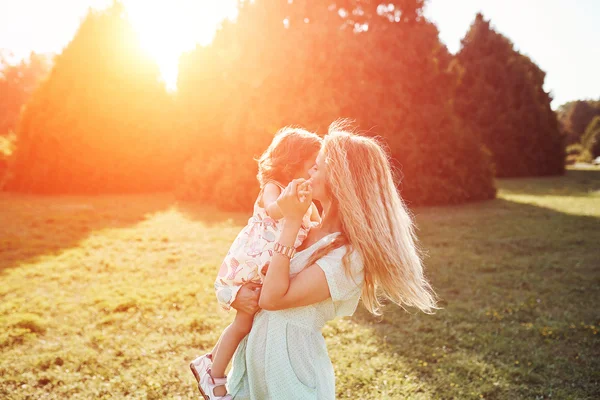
228 183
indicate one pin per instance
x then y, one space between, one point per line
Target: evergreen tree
501 97
102 121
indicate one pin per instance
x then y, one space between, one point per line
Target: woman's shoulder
336 257
344 280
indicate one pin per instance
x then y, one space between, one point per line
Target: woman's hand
293 202
247 297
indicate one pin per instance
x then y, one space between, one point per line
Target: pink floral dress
251 252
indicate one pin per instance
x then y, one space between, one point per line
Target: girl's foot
200 366
213 388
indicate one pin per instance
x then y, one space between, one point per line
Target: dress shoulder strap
259 197
274 182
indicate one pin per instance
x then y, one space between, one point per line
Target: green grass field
110 297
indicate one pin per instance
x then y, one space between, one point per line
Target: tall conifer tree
501 97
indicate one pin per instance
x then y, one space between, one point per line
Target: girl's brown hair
289 150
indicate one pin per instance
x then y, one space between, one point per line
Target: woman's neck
331 218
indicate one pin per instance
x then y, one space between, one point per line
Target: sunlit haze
166 28
558 35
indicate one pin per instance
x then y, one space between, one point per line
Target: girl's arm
270 195
308 287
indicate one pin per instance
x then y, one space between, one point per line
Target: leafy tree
591 137
17 83
307 63
575 116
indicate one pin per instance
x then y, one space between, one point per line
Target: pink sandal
200 366
208 384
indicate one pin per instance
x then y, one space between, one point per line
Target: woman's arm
278 291
247 298
309 286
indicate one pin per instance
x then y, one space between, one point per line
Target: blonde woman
365 247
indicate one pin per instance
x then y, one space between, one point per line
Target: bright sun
167 28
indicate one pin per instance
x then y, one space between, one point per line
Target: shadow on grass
575 183
37 226
34 226
519 287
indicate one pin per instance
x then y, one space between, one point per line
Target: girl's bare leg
227 344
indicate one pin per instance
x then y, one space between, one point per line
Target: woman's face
318 178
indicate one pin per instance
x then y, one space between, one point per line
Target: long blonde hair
375 222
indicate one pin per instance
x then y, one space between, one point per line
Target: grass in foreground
110 297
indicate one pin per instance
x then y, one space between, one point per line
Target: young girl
290 156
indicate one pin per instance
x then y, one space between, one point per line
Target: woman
365 246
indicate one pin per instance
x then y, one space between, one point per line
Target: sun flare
167 28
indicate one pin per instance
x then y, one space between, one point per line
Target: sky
561 36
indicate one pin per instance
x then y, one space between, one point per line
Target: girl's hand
290 204
303 190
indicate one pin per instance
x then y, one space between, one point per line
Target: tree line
103 122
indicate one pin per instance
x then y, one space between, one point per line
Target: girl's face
306 167
318 178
